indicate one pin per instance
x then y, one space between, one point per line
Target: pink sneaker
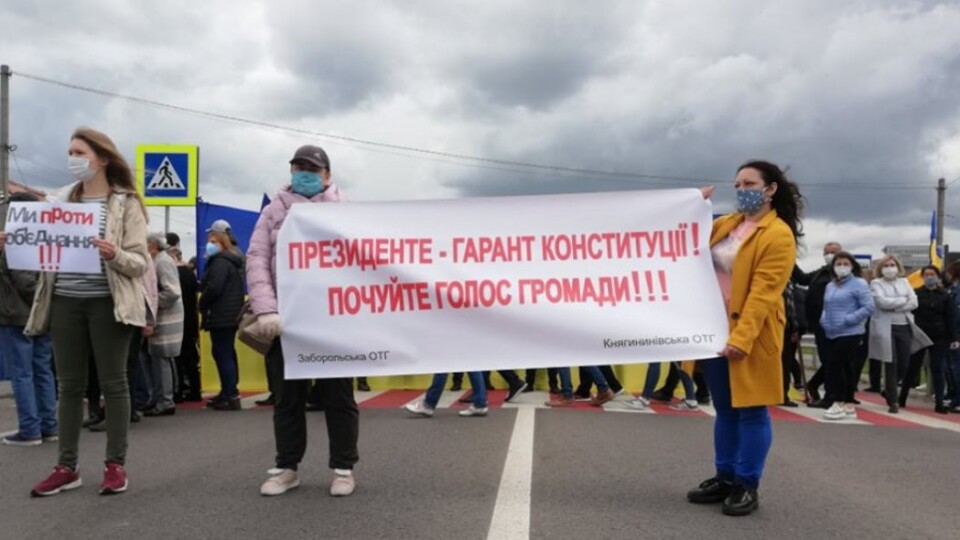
62 479
114 479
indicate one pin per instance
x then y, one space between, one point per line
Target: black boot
362 384
741 502
710 491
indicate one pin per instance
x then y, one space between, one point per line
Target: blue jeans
687 381
225 355
29 363
741 437
566 381
479 393
653 377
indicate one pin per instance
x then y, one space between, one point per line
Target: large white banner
497 283
53 236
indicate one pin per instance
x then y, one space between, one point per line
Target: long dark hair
857 270
787 200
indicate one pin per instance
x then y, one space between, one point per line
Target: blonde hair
878 269
117 171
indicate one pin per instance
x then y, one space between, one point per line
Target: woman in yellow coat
754 251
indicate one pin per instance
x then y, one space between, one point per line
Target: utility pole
941 201
4 131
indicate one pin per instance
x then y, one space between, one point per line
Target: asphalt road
593 475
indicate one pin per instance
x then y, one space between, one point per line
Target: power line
453 158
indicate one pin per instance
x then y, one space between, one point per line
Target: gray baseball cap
313 155
220 226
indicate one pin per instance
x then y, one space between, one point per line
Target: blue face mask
931 282
306 183
212 249
749 201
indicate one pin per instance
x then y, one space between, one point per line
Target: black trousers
290 417
586 381
188 367
553 378
823 353
673 379
841 379
902 337
788 358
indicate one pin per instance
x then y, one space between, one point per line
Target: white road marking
511 515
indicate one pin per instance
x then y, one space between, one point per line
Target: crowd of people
124 342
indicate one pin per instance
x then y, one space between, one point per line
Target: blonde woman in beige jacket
95 315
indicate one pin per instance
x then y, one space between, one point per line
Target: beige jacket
126 229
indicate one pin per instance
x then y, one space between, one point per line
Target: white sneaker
686 405
343 483
419 408
849 410
280 484
835 412
639 404
473 410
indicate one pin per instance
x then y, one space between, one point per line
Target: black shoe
192 396
660 395
741 502
457 387
894 409
134 417
160 412
146 407
270 401
819 404
515 391
942 409
363 386
873 390
555 391
813 393
789 403
314 407
178 398
710 491
99 426
211 403
855 401
232 404
91 421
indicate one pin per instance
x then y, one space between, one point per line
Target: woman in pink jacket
310 183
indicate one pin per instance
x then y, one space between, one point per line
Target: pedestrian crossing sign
167 174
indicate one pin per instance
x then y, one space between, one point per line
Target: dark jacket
16 293
221 291
816 283
955 301
934 314
188 293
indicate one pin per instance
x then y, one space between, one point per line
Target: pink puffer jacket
262 254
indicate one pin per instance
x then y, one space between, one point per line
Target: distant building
912 257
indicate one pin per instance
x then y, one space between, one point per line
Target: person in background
553 382
29 358
816 283
934 316
427 406
188 363
362 384
94 314
566 399
642 402
167 337
952 280
311 183
582 393
221 300
863 352
847 305
754 251
893 334
665 392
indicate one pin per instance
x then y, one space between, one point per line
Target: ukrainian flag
936 255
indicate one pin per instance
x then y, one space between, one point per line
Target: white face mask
828 258
890 272
842 271
80 168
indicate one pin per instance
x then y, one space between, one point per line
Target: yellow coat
756 314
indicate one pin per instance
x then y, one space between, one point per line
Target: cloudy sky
859 98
